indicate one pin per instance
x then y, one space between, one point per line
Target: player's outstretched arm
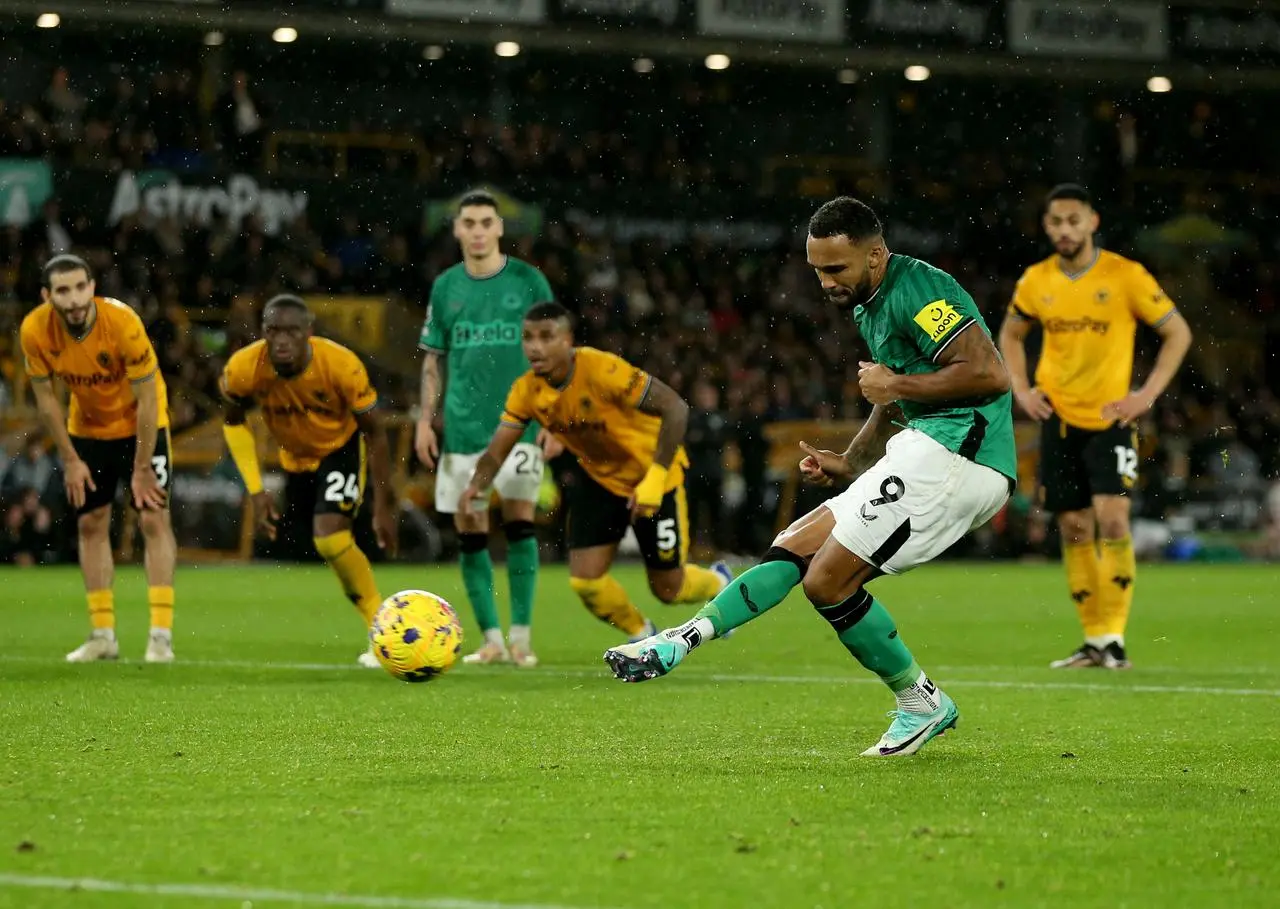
487 467
75 473
969 367
384 495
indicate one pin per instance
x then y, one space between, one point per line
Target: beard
1068 250
846 298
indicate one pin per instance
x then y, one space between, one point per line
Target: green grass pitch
265 769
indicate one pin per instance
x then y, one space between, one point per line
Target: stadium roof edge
603 42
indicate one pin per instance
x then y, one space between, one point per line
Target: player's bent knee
666 590
516 531
471 543
94 523
1113 527
846 613
1076 526
821 590
154 523
779 554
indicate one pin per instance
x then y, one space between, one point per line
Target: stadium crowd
741 332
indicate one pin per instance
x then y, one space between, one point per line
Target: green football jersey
476 323
915 313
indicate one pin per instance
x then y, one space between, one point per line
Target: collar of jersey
1072 276
491 275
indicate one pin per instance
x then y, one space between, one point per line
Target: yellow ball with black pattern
416 635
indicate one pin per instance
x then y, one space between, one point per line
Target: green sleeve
435 334
937 317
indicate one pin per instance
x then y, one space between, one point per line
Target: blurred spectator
47 234
63 108
31 470
27 535
241 117
705 441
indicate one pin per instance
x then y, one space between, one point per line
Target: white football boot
101 645
159 646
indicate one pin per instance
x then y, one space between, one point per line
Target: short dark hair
549 312
287 301
60 265
479 197
845 216
1068 191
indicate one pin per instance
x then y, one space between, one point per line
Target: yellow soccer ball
416 635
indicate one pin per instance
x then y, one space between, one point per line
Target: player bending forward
625 428
117 430
914 492
318 404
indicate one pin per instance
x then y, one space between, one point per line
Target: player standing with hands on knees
1088 302
914 492
318 403
472 332
117 430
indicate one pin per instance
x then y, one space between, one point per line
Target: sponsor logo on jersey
485 334
294 410
75 380
937 320
575 426
1075 326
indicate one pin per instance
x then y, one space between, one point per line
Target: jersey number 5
667 536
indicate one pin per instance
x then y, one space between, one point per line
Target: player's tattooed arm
825 468
429 391
425 443
868 445
968 367
660 400
487 467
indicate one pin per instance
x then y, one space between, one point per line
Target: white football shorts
915 503
518 478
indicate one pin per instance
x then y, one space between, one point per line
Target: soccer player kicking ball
914 493
118 428
473 328
625 428
1088 301
318 404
